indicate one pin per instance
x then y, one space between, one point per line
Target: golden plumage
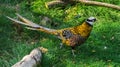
70 36
81 31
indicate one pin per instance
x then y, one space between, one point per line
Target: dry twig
88 2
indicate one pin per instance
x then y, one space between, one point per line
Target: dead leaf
93 51
109 60
104 36
32 42
112 38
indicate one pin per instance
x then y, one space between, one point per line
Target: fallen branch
59 2
52 3
32 59
100 4
49 4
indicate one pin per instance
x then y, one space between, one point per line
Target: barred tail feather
32 26
27 21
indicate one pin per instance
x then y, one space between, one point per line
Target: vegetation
102 49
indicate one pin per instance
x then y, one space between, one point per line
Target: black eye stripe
89 20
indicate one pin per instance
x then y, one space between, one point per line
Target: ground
102 49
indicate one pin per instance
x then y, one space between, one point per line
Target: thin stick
88 2
51 3
100 4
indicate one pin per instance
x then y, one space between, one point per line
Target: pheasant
73 36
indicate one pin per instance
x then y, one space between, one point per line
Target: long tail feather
17 21
27 21
31 28
32 25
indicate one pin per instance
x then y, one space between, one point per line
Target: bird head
91 20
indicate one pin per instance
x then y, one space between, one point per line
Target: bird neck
85 26
89 23
84 29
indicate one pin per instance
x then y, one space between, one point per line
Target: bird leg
73 51
61 45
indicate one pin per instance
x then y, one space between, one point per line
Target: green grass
102 49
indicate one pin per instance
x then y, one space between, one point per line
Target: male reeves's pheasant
72 36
